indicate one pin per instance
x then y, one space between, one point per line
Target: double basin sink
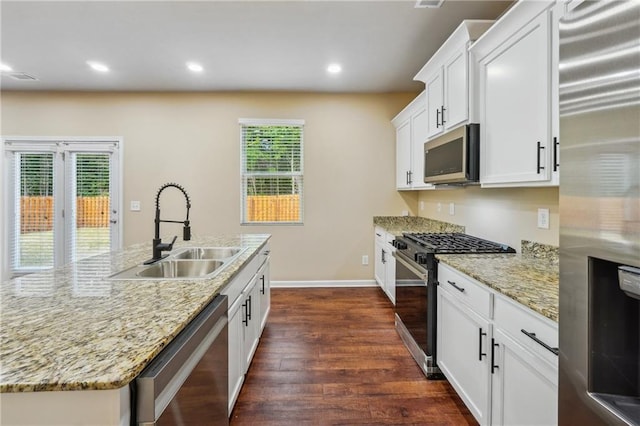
186 263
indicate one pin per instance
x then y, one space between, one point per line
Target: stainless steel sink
180 269
188 263
207 253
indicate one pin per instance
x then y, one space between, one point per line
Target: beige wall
193 139
506 215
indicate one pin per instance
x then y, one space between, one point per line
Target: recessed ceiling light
195 67
97 66
5 67
334 68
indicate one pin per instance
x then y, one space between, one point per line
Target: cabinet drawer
513 318
380 235
389 237
465 289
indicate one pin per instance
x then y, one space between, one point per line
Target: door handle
438 118
539 166
555 154
250 308
442 115
457 287
245 320
410 177
494 367
480 353
262 290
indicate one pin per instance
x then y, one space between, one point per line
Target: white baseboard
317 284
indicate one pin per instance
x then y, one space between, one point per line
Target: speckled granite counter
398 224
530 278
72 329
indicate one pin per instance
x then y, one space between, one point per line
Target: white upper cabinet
411 130
514 81
448 78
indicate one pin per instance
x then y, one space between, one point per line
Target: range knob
421 258
401 245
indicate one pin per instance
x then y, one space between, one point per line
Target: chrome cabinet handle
410 177
437 118
533 337
442 114
460 289
250 308
480 353
262 289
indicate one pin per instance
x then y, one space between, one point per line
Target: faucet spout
158 245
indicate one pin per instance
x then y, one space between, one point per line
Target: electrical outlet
405 212
543 218
365 259
439 207
421 205
135 206
452 209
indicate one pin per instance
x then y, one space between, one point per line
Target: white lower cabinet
500 356
249 303
462 353
385 263
525 388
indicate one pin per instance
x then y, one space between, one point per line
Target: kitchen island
72 329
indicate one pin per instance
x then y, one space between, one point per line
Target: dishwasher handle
160 381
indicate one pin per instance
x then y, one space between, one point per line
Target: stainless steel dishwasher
187 383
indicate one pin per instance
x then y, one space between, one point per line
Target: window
272 171
61 203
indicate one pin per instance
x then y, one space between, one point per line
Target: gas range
416 288
420 247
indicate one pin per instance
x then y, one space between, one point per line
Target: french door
62 201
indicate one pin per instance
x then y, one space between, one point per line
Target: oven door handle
422 275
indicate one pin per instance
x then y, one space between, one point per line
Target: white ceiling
243 45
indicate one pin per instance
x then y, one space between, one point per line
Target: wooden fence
273 208
36 213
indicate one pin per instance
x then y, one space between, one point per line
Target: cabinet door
462 352
390 275
251 321
264 282
434 88
403 155
379 266
236 351
456 90
525 388
515 107
418 138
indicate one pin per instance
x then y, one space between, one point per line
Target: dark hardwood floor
332 357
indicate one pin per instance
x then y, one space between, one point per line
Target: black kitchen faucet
158 245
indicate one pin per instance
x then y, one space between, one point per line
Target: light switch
135 206
452 209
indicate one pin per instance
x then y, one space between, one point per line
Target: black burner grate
457 243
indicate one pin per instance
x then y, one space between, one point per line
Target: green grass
36 248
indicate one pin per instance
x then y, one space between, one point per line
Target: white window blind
89 190
62 201
31 244
272 171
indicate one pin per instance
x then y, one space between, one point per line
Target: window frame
243 122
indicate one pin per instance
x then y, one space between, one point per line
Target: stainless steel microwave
453 158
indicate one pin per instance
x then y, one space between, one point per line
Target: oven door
412 299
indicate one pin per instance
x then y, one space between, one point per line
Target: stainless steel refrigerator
599 377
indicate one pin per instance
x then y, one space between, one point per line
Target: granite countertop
73 329
530 278
396 225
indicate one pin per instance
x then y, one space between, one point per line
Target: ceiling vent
429 3
19 76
